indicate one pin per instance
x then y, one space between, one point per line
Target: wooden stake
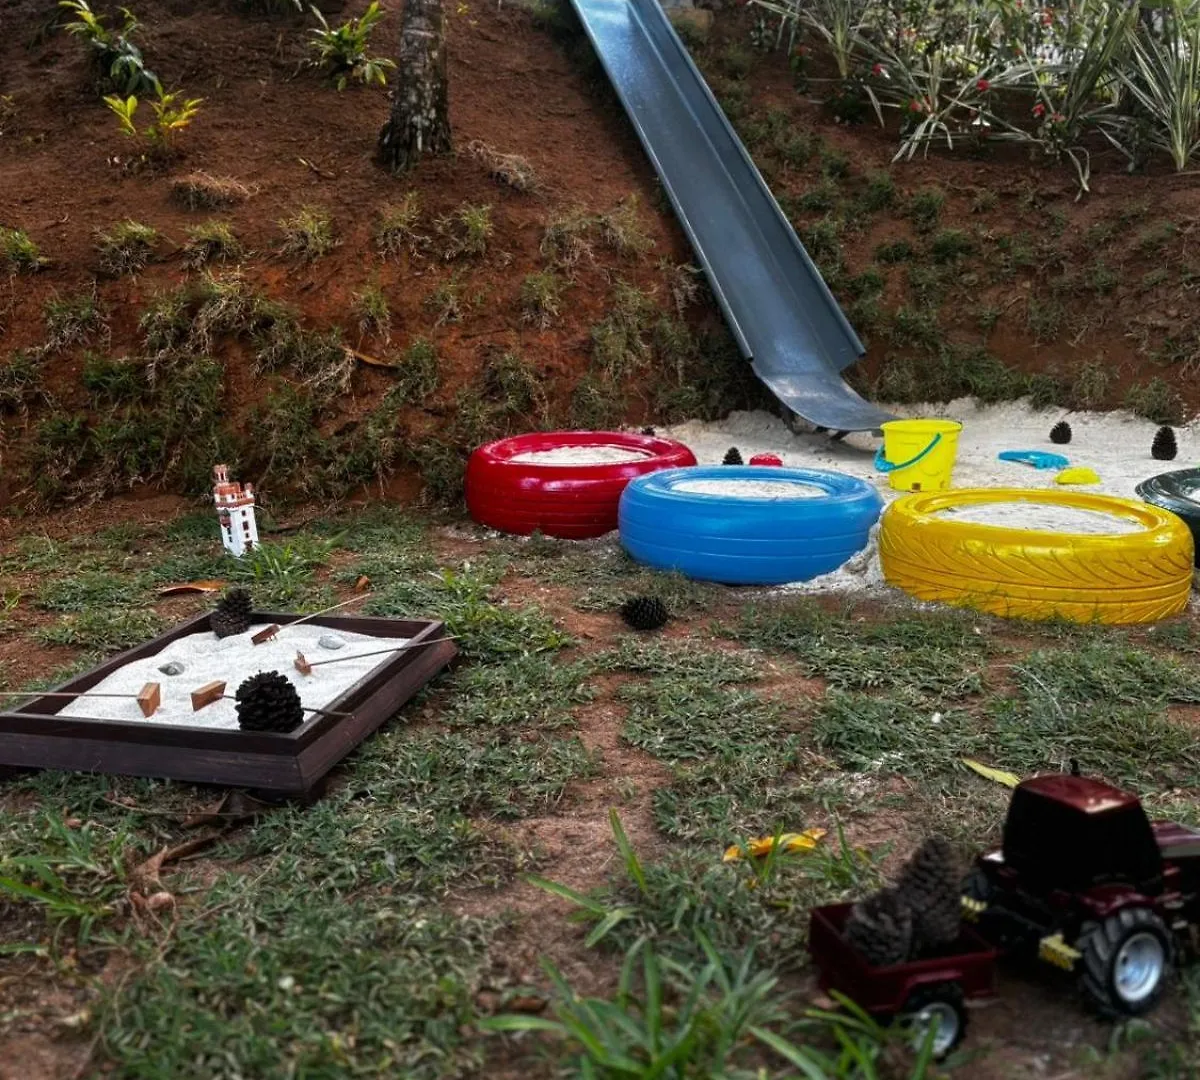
207 694
303 665
150 698
269 632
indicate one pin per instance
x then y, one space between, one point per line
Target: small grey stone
330 641
172 668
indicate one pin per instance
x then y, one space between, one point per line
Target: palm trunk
420 120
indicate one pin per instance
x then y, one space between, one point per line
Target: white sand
751 489
1116 445
581 455
207 658
1039 516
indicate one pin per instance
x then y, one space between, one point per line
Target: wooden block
206 695
265 634
150 698
301 664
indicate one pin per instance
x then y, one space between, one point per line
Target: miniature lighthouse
235 511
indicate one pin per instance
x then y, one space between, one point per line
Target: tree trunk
420 120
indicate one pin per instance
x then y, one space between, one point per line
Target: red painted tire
569 501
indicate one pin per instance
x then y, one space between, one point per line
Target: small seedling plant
342 52
172 113
117 59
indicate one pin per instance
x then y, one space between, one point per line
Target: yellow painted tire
1136 577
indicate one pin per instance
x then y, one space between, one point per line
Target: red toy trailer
921 992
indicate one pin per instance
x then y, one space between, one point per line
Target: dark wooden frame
293 764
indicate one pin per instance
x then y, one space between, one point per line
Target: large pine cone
880 928
930 886
232 615
268 702
645 613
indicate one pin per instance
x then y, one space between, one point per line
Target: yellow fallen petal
762 845
1000 776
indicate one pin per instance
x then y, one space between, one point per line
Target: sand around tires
206 658
751 489
1042 517
580 455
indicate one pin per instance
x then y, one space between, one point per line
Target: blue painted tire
746 541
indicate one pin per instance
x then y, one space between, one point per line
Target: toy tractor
1086 882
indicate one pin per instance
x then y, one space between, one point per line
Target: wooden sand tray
294 764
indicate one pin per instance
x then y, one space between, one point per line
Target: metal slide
783 315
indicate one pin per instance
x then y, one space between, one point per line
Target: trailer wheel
941 1005
1125 961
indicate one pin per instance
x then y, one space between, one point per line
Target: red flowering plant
1074 92
935 84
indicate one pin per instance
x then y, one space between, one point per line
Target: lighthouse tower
235 511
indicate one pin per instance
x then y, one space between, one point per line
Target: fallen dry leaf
208 585
143 880
362 584
762 845
233 807
159 900
372 361
1000 776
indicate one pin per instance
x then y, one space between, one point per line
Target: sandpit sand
1115 444
206 658
751 489
581 455
1040 516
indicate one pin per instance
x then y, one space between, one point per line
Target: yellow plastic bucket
918 455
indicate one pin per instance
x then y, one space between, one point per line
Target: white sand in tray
1042 516
207 658
581 455
751 489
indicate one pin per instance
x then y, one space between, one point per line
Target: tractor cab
1073 833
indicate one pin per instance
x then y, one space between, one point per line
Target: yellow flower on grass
762 845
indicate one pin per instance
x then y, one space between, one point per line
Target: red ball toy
766 459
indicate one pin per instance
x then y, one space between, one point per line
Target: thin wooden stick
274 629
306 708
148 698
305 666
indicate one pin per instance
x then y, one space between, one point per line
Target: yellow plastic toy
918 455
1078 474
1116 578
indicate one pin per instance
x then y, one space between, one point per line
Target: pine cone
1061 433
268 702
645 613
1164 447
232 615
930 886
732 457
880 928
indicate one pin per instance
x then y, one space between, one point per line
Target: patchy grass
19 253
359 913
396 228
567 240
211 242
72 320
622 231
374 312
511 170
20 381
541 299
308 234
125 248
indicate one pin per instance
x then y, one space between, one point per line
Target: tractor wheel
941 1005
1125 961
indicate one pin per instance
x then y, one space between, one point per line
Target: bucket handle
885 466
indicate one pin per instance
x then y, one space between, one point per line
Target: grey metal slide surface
781 312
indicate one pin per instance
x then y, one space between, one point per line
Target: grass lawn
538 840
